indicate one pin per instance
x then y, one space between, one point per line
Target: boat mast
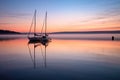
31 26
35 23
46 23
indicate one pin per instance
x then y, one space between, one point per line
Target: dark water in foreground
61 59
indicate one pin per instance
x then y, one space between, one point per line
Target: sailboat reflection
33 56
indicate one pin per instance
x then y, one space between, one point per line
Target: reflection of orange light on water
64 49
68 47
84 45
84 49
13 45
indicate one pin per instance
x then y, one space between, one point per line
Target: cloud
14 15
112 11
4 23
109 15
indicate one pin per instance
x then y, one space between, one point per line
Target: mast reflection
35 45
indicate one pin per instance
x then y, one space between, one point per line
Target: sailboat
43 37
35 37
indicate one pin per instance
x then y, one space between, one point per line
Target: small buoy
112 37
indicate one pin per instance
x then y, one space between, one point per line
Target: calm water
64 58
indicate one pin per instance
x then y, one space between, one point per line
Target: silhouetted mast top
35 23
46 23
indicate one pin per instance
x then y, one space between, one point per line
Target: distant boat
43 37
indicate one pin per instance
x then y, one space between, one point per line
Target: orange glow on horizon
24 25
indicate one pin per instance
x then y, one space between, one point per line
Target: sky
63 15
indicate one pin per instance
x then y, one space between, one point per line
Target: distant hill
87 32
8 32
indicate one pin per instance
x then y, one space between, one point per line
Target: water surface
60 59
